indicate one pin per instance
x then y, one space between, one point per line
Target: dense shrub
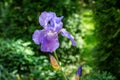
18 61
15 55
4 75
107 16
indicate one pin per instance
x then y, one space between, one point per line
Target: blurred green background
95 25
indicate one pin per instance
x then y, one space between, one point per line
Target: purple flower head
48 37
50 21
79 71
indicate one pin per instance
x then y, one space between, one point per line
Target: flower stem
60 66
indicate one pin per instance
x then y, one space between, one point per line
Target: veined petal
50 21
38 36
50 43
45 18
57 23
68 35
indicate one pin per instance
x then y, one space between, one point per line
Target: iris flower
48 36
79 73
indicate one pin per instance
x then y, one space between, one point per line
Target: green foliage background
107 16
21 59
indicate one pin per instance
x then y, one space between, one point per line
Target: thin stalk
60 66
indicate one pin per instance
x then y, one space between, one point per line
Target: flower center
51 33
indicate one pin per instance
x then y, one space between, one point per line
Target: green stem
59 65
56 57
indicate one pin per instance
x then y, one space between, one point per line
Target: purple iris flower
79 71
48 37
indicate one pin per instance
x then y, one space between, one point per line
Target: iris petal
50 21
68 35
57 23
38 36
50 43
45 18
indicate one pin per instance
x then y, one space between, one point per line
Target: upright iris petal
57 23
50 21
48 37
45 19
